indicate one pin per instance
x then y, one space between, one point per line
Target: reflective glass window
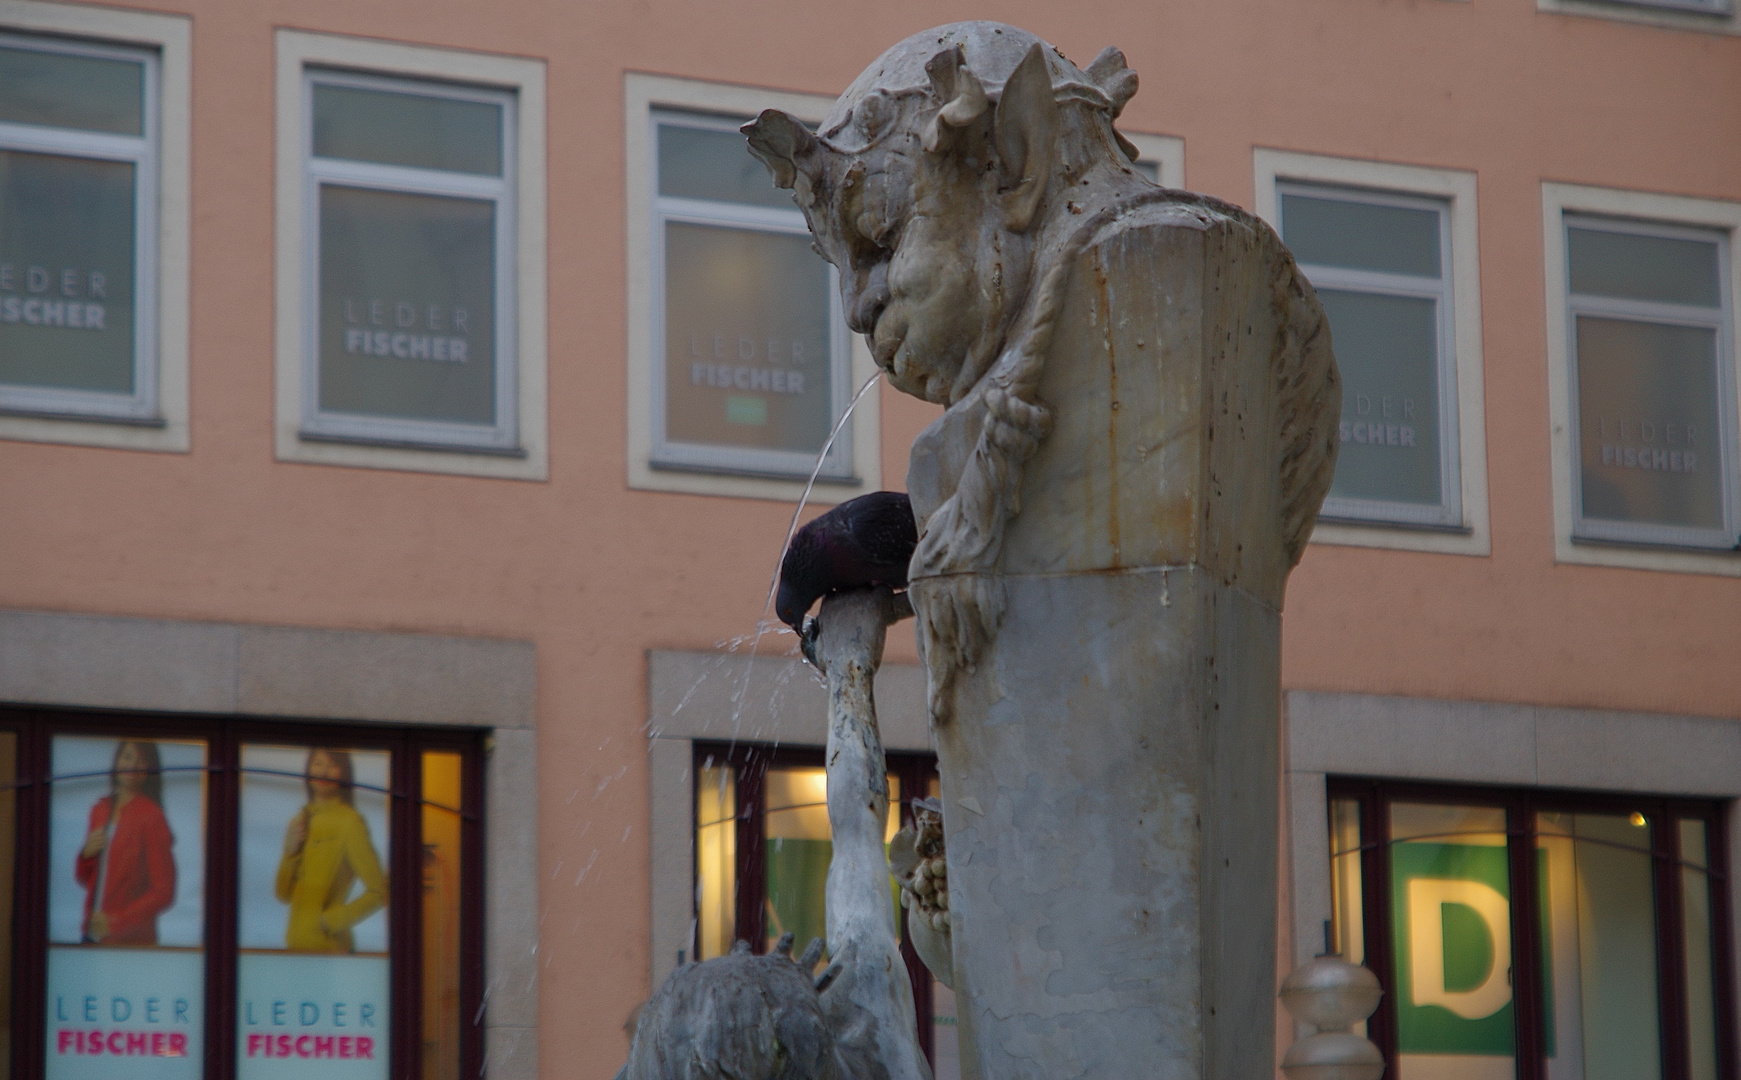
1381 266
1532 933
412 340
77 228
1652 364
754 372
444 876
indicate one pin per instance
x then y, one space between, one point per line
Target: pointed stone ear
1116 81
1026 132
782 143
962 95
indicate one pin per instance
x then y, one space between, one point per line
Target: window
409 345
93 212
1650 333
1389 250
1536 935
1706 15
224 899
755 367
741 365
762 851
1643 395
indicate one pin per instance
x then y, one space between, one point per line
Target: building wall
595 575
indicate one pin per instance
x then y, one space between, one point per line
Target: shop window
762 853
78 229
754 357
221 900
1381 264
1654 434
410 336
1534 935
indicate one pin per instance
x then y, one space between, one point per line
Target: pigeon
867 541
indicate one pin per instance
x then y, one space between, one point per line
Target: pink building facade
401 408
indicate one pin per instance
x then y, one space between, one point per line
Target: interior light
1638 819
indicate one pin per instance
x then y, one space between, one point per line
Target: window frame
1448 514
751 763
1374 796
1651 211
643 96
518 447
668 454
140 151
1463 425
155 416
1720 321
35 728
319 172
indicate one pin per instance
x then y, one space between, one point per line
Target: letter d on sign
1427 897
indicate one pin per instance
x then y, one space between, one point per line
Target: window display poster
297 1010
312 978
313 850
126 969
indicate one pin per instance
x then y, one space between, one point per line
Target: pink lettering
365 1046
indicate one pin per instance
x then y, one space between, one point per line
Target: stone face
1142 408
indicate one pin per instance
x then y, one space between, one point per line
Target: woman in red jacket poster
126 865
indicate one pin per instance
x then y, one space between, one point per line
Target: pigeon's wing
884 530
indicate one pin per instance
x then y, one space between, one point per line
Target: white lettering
456 347
459 321
438 346
69 282
33 312
36 279
404 314
7 281
9 309
354 339
434 317
99 285
377 313
420 347
94 314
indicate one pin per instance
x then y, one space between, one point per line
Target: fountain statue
1140 425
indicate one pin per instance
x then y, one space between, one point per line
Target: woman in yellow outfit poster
327 850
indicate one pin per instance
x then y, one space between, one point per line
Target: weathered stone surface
1141 414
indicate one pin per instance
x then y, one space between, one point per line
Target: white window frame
499 190
516 446
1710 16
652 464
155 415
1637 546
782 464
1459 525
1165 152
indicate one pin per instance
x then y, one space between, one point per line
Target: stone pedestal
1110 765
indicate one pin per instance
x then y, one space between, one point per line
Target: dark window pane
1600 946
699 163
1650 447
1451 913
1361 236
1387 348
58 90
311 923
407 305
443 873
1149 170
1637 267
66 272
126 905
747 340
8 859
418 130
1700 957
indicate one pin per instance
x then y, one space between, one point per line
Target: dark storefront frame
35 728
751 764
1375 796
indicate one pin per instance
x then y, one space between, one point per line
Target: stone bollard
1331 994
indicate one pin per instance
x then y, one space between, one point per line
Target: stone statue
1141 412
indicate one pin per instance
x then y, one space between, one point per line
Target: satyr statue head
934 182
